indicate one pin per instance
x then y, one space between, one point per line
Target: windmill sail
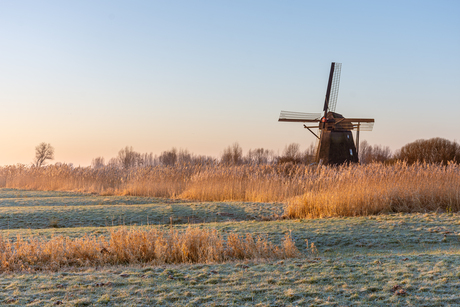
335 87
332 88
361 124
355 124
328 91
289 116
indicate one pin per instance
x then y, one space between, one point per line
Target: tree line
435 150
231 155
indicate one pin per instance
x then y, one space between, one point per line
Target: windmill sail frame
335 87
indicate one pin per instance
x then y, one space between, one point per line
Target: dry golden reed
378 188
308 191
137 246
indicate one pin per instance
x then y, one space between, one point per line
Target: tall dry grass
198 182
309 191
377 188
135 246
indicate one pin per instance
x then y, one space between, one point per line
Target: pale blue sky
91 77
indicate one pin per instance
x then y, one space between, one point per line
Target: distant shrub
435 150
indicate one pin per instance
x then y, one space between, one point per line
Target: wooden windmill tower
336 145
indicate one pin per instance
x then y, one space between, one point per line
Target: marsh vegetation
309 191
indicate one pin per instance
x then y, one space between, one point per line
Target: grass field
394 259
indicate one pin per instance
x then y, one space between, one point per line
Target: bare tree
203 160
128 158
259 156
168 157
309 154
381 153
291 154
113 163
365 152
98 162
184 156
232 154
43 152
376 153
292 151
148 159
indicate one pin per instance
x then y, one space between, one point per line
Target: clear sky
91 77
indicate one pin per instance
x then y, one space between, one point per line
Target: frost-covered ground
397 260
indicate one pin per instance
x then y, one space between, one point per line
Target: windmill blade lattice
289 116
335 87
362 126
355 124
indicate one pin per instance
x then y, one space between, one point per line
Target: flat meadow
287 236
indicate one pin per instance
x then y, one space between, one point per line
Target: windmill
336 145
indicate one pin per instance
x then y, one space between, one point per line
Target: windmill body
336 144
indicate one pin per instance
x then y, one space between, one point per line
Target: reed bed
308 191
138 246
377 188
